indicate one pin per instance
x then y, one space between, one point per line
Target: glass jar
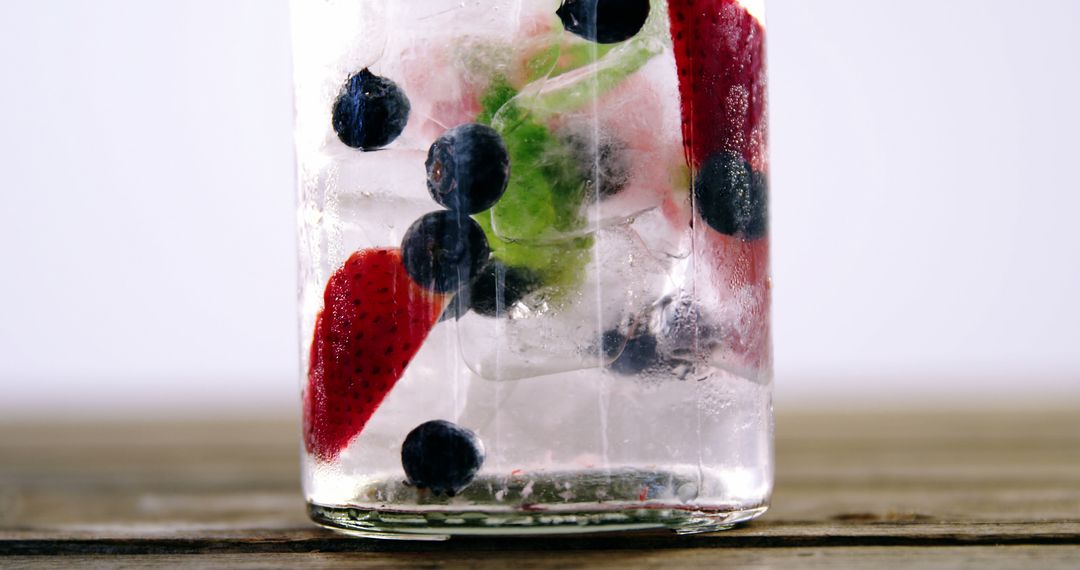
534 277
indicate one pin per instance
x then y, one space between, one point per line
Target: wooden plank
983 558
763 535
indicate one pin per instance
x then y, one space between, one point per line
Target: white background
926 204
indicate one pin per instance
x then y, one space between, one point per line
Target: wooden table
885 490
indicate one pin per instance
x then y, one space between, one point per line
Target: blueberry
444 250
632 355
499 286
602 163
370 112
731 197
441 457
604 21
468 168
494 290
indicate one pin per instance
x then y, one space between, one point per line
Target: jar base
442 525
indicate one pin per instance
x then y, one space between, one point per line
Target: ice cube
553 330
612 152
663 233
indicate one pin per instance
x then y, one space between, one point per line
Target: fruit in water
543 198
601 161
720 56
468 168
441 457
444 250
731 197
498 287
631 355
373 321
604 21
370 112
491 293
545 192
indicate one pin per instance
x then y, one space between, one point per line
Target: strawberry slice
720 56
373 322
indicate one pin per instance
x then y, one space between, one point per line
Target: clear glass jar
534 265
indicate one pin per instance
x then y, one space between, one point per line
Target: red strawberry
373 321
720 55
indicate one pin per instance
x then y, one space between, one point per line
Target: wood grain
948 490
956 558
